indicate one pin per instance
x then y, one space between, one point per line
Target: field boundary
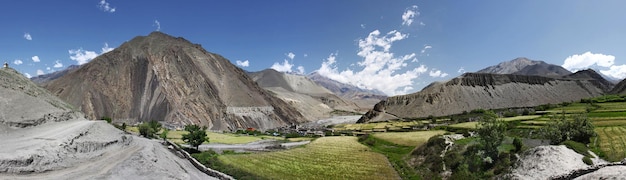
198 165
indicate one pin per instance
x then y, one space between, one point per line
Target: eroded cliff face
486 91
159 77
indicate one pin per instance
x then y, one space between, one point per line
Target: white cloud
81 56
426 47
380 67
437 73
17 62
39 72
28 75
245 63
605 63
157 24
461 70
58 64
105 6
586 60
616 71
409 15
35 59
290 55
106 48
284 67
27 36
362 26
305 55
300 70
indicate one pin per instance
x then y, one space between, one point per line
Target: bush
491 132
580 129
517 142
149 129
510 113
196 135
587 160
107 119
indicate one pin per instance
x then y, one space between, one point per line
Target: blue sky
397 47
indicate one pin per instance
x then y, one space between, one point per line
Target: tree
196 135
149 129
163 134
491 132
559 130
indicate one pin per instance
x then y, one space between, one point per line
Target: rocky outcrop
485 91
620 88
313 101
159 77
593 77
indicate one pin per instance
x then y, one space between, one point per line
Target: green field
222 138
339 157
612 141
413 139
377 126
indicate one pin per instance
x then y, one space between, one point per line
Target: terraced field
415 138
378 126
612 141
339 157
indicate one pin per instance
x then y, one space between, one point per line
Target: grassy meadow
339 157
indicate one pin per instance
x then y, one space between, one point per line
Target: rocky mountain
312 100
525 66
594 77
485 91
620 88
43 79
160 77
45 138
363 97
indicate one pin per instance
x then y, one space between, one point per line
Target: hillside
525 66
313 101
43 79
364 98
45 138
159 77
484 91
620 88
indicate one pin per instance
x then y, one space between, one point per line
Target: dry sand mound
42 137
543 162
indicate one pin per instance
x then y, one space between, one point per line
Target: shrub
107 119
149 129
196 135
510 113
580 129
587 160
517 142
491 132
163 134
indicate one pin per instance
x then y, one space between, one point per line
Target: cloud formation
461 70
35 59
17 62
426 47
82 56
27 36
105 6
284 67
290 55
245 63
437 73
157 24
409 15
39 72
605 63
28 75
380 67
58 64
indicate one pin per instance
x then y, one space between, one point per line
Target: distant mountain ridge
42 79
363 97
160 77
485 91
312 100
525 66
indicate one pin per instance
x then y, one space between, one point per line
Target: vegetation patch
611 142
415 138
325 158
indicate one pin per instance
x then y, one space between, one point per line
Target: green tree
196 135
491 132
559 130
163 134
149 129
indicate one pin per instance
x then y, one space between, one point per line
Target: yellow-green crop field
339 157
376 125
415 138
612 141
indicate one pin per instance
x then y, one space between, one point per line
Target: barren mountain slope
365 99
43 138
159 77
525 66
487 91
620 88
312 100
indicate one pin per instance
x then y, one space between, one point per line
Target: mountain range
168 79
